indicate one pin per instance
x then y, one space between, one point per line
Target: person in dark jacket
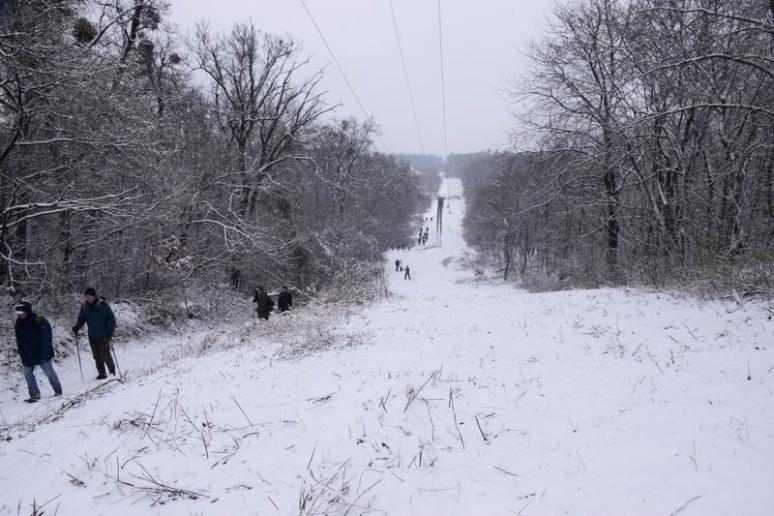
97 315
407 275
33 340
284 300
397 265
263 303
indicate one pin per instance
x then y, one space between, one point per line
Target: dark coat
99 318
284 301
33 339
264 303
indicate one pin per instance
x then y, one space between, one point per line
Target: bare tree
259 99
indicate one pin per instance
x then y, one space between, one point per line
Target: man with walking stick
97 315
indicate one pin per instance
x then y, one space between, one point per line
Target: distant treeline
651 125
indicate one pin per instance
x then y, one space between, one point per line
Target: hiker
397 265
407 275
97 315
285 300
33 339
263 303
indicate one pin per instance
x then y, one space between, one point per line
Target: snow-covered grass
453 396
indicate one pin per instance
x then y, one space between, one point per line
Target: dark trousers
263 315
100 349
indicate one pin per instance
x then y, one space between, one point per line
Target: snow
589 402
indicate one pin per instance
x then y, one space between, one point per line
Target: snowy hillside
454 396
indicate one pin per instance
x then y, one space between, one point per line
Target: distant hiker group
35 345
405 269
264 304
423 235
422 238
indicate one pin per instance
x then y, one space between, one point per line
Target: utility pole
439 221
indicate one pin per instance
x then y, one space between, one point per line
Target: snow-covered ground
454 396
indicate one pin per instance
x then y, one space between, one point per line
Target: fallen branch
686 504
689 331
243 412
361 496
454 413
415 394
501 470
161 488
153 414
481 430
638 383
383 401
322 399
430 417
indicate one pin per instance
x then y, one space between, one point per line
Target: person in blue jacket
97 315
33 340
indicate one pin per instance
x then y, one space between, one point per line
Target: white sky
483 41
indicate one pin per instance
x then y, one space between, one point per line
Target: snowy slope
454 396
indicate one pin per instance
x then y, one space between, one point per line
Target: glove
75 330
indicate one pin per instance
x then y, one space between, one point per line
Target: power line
341 70
406 76
443 80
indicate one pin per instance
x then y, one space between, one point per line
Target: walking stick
115 357
78 352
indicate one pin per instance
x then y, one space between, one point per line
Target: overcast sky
483 41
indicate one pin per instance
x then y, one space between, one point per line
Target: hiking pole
78 352
115 358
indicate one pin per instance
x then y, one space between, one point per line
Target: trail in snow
454 396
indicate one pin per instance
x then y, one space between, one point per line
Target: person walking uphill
97 315
263 303
284 300
33 340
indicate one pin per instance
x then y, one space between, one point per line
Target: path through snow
454 396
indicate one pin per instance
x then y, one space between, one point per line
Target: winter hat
91 291
23 306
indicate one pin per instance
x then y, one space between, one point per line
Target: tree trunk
770 193
507 254
233 271
67 251
612 205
